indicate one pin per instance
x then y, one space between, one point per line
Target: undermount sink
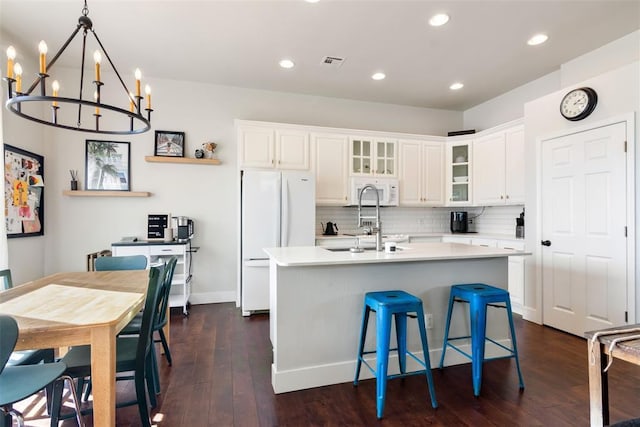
398 248
347 249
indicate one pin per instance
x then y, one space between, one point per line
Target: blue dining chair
25 357
19 382
130 262
132 355
113 263
161 319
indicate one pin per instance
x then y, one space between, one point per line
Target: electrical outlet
428 320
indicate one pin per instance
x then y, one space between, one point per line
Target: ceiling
239 42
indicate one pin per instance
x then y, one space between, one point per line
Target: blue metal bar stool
480 296
387 304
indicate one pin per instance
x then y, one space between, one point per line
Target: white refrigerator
278 209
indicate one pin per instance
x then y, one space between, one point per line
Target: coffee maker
185 228
459 222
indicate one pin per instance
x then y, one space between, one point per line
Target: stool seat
480 296
388 304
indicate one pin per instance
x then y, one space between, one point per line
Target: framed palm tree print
107 165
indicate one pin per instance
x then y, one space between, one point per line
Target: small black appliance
459 222
185 228
330 230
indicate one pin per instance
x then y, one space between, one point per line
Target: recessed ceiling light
456 86
378 76
439 19
312 1
537 39
286 63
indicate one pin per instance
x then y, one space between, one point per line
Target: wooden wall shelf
89 193
188 160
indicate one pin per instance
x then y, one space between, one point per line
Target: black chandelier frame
16 99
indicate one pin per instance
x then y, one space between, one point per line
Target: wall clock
578 103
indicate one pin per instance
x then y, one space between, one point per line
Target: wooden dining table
78 308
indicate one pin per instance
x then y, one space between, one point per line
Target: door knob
546 243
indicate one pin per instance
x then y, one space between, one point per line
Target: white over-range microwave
388 191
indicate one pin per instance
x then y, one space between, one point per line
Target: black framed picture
169 144
23 192
107 165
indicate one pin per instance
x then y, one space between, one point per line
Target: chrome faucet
378 227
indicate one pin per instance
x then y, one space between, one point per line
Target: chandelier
28 103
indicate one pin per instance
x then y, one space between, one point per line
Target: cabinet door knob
507 196
501 197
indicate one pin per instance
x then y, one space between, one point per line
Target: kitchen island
317 296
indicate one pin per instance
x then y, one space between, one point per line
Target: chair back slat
111 263
148 315
5 278
161 316
8 338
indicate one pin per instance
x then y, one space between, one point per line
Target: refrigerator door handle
285 214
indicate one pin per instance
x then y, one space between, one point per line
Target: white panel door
583 230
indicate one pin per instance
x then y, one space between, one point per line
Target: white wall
618 94
510 105
26 254
80 225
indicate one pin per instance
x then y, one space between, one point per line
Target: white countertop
298 256
427 234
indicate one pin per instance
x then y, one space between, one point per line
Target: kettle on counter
330 230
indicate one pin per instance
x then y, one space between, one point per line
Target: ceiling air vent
332 61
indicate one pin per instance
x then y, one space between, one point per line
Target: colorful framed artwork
169 144
23 192
107 165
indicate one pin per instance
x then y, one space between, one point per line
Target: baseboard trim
212 297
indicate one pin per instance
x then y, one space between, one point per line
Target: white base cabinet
160 252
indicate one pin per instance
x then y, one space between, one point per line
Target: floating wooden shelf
189 160
78 193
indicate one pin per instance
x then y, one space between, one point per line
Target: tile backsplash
490 220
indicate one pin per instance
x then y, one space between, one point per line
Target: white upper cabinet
373 156
330 157
459 172
273 148
421 173
499 168
514 165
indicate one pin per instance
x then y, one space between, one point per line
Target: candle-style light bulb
17 69
11 55
56 87
42 48
131 103
147 91
95 97
97 57
138 75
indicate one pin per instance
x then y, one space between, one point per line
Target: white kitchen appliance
387 191
278 209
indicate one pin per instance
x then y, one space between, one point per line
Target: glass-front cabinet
459 173
373 156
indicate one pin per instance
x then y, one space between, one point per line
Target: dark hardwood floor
221 377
